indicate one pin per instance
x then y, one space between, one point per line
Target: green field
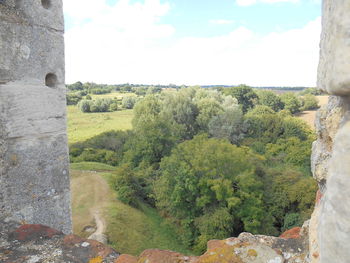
129 230
82 126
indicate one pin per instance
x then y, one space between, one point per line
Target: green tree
128 102
228 125
245 96
291 102
84 105
203 177
208 108
309 102
270 99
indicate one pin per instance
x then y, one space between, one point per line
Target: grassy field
129 230
310 116
82 126
112 95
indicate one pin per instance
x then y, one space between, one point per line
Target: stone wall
330 224
34 179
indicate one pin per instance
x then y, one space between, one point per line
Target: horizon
262 43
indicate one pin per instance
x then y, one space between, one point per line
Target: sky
193 42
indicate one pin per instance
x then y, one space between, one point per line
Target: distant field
309 116
129 230
112 95
82 126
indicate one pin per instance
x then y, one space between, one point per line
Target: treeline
213 162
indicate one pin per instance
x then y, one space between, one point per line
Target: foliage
228 125
260 110
73 98
270 99
108 147
98 105
129 102
291 102
312 91
245 96
309 102
213 163
204 175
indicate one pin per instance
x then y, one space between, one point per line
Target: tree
204 178
291 102
260 110
245 96
309 102
208 108
180 109
270 99
228 125
84 105
129 102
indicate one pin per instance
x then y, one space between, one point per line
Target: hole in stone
51 80
46 3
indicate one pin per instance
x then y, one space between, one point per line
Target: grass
82 126
129 230
92 166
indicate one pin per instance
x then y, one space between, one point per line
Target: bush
98 105
113 106
291 102
129 102
73 98
85 105
309 102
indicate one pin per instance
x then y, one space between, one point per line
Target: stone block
29 54
334 66
34 165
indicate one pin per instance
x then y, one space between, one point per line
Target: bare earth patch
90 197
310 116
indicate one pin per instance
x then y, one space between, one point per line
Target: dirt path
100 227
90 197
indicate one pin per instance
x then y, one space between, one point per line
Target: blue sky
256 42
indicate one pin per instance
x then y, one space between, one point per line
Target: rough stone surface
38 243
334 66
34 179
327 122
334 219
330 223
246 248
126 259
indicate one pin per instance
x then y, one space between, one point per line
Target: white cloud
221 22
252 2
127 43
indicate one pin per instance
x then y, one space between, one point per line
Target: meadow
82 126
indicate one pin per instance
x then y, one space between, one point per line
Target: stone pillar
331 151
34 179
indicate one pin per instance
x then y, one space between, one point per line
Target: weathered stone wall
34 180
330 225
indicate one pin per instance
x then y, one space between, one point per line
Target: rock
164 256
328 119
334 66
334 218
292 233
38 243
126 259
